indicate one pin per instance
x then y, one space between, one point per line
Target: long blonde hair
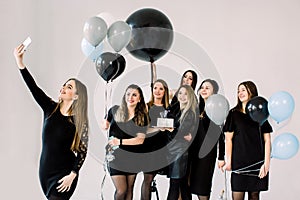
191 104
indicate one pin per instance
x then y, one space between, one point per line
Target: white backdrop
246 40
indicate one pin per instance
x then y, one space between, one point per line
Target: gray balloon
119 35
217 108
94 30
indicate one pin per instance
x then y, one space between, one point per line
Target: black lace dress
57 159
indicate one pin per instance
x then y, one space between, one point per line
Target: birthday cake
165 122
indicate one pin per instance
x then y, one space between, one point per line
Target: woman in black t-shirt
247 147
127 126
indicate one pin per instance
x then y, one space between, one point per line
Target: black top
158 139
209 136
247 141
125 130
57 159
128 158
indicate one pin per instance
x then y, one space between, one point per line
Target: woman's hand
18 53
227 167
105 124
188 137
264 169
221 164
114 142
66 182
167 129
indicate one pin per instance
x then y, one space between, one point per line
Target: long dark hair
140 112
252 92
195 77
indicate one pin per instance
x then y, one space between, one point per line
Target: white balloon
107 17
95 30
217 108
119 35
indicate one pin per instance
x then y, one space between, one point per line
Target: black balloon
152 34
121 66
257 109
110 65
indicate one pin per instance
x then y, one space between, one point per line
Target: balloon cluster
147 35
108 65
280 108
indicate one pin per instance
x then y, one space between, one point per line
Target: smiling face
68 91
183 96
132 97
243 94
206 90
187 79
158 90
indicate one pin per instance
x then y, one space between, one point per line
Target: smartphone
26 43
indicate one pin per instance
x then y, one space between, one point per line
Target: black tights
241 195
52 197
124 186
177 185
201 197
146 186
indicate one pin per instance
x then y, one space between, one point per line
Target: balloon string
248 166
244 171
102 184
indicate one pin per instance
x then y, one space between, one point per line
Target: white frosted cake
165 122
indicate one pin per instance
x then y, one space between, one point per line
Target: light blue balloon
281 106
285 146
90 51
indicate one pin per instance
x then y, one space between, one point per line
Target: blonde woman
64 134
185 121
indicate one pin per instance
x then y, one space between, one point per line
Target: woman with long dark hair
247 147
127 126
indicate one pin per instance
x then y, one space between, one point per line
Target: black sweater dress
57 159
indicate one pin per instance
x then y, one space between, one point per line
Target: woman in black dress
248 147
202 169
127 125
185 122
156 139
64 134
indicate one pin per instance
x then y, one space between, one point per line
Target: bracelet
120 141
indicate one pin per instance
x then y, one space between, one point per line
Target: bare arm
266 166
153 73
228 150
139 139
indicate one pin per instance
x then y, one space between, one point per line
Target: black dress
202 168
128 158
57 159
178 146
247 151
154 146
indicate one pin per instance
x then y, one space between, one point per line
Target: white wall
257 40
